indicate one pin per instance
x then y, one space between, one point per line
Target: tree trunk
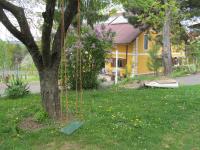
166 55
50 92
48 59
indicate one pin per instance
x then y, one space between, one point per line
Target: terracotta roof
125 32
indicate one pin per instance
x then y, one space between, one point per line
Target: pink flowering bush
93 49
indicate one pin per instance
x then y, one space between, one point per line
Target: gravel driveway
2 88
193 79
34 87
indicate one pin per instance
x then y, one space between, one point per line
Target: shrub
194 54
40 116
16 88
184 70
179 71
155 62
192 68
94 51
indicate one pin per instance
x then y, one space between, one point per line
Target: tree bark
166 54
50 92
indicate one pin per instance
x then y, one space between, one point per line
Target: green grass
27 79
31 78
151 119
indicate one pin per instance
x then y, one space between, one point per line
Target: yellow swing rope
80 57
62 54
76 70
65 69
79 92
64 61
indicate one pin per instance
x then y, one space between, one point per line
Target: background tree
9 53
191 7
194 53
5 58
92 11
159 15
47 57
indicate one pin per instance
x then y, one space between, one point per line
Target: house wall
138 59
121 55
143 55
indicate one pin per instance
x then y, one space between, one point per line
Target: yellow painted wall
142 64
121 54
142 56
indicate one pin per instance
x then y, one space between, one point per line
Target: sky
33 10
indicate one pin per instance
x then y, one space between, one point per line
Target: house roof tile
124 32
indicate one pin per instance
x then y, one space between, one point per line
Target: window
146 41
121 62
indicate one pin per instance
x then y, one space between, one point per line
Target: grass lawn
146 119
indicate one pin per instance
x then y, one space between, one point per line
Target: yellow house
131 46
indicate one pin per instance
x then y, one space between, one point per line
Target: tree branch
6 22
69 14
24 35
48 16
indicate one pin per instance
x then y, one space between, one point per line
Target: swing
71 126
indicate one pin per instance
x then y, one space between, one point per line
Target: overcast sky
33 10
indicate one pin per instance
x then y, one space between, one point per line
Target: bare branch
18 12
6 22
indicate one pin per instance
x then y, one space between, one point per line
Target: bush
40 116
94 51
194 54
17 88
179 71
192 68
184 70
154 62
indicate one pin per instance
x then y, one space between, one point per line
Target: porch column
136 57
116 67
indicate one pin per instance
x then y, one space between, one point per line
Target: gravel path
34 87
193 79
2 88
